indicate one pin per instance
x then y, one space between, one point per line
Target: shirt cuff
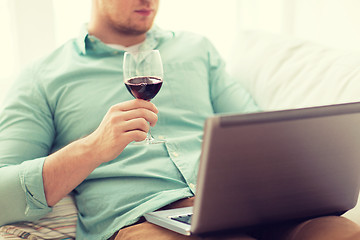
32 183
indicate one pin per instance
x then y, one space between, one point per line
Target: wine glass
143 77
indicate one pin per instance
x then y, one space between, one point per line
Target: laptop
263 168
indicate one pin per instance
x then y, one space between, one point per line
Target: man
68 121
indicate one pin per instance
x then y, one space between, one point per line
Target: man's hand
123 123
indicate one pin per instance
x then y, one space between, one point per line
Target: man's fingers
138 124
136 135
135 104
119 115
136 129
149 116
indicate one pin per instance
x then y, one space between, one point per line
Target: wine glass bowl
143 78
144 88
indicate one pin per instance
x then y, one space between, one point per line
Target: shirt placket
185 167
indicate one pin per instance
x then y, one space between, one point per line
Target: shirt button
175 154
192 186
161 137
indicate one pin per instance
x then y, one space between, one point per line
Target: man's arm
67 168
227 94
32 181
14 206
26 137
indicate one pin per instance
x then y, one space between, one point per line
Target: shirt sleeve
227 94
26 136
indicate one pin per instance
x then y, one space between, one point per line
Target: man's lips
144 12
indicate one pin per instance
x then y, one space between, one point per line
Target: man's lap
150 231
329 227
323 228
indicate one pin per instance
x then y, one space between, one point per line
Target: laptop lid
274 166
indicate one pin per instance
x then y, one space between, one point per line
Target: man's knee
330 227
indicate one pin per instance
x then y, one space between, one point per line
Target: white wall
27 33
213 18
7 56
273 16
69 15
33 30
330 22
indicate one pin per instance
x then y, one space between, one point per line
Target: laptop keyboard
184 218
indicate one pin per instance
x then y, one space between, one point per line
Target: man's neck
110 36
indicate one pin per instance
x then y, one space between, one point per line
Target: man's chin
134 31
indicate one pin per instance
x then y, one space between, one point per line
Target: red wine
144 88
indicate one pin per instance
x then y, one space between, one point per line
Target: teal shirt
64 96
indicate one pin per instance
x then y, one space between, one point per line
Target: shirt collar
88 44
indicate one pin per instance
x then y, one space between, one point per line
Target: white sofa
281 73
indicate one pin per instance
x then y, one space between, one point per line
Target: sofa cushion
283 72
58 224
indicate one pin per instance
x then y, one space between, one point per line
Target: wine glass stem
149 136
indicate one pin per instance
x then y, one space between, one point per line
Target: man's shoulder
59 53
49 63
